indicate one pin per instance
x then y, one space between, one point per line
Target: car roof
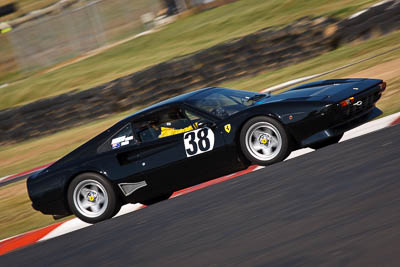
170 101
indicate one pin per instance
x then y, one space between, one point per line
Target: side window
146 131
162 124
122 138
197 120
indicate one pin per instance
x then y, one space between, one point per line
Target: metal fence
53 39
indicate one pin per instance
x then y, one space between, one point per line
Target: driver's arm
166 131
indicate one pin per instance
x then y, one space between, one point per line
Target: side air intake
129 188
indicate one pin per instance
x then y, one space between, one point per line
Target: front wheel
92 198
264 141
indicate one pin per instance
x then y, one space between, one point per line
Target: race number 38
198 141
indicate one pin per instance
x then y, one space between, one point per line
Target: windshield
224 102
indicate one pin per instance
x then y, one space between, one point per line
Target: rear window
123 137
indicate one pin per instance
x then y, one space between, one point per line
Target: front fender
300 118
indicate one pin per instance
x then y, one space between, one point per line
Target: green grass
180 38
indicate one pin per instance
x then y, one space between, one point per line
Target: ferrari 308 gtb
196 137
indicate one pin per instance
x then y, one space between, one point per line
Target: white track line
4 178
76 224
371 126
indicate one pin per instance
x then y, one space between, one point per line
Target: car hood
327 90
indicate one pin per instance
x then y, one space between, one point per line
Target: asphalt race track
339 206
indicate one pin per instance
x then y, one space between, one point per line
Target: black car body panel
310 113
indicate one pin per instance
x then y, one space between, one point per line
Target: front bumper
342 127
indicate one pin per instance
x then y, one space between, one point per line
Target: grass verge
185 36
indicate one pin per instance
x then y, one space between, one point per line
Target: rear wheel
92 198
264 141
327 142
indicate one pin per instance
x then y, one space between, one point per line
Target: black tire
277 133
156 199
100 195
327 142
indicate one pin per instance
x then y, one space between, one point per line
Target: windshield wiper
256 97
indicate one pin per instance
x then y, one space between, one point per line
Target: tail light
347 102
382 85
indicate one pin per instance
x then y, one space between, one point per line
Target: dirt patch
385 71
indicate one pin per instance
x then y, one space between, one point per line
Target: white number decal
198 141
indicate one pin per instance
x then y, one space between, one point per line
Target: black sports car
196 137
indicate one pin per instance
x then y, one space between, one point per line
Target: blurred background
69 69
61 30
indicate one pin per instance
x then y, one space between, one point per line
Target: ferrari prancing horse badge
228 128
